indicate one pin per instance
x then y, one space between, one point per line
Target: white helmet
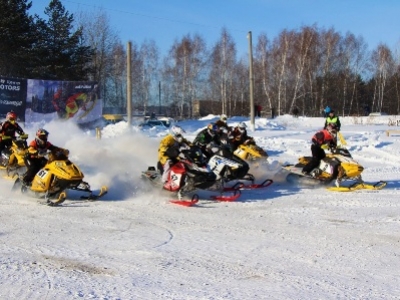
223 118
332 129
242 126
177 132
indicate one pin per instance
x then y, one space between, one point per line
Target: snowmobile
188 173
54 179
251 153
227 166
231 168
13 157
338 166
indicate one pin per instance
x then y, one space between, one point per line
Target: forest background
301 69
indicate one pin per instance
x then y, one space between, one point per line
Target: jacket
9 129
35 151
239 138
164 150
323 137
333 120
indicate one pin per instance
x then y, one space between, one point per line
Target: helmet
242 127
41 137
212 129
11 116
332 129
177 132
328 110
223 118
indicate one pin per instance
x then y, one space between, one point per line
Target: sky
166 21
286 241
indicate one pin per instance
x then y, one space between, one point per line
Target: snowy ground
283 242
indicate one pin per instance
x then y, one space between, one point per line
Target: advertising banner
77 100
12 97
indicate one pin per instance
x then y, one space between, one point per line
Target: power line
148 16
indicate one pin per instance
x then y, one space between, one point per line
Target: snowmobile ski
359 186
252 186
187 202
227 198
91 197
195 199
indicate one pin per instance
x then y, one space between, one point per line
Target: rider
8 130
169 150
325 136
208 137
222 123
34 159
239 136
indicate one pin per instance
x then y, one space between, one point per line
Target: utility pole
251 77
159 97
129 84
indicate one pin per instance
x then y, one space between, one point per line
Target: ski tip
186 203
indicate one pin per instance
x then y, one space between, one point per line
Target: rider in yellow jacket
169 150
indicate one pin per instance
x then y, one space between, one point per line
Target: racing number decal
42 173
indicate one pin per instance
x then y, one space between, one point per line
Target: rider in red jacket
326 136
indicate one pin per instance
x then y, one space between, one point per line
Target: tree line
300 70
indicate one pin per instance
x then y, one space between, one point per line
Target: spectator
295 111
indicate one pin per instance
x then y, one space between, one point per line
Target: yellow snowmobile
52 181
251 153
338 166
13 157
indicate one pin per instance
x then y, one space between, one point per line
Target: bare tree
279 55
182 70
262 67
299 57
353 62
223 59
99 35
329 43
383 62
145 73
116 81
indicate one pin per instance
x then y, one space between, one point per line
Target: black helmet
41 137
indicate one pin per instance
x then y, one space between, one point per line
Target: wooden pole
251 79
129 85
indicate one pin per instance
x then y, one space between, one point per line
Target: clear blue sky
164 21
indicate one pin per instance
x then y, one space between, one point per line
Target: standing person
331 118
325 136
8 130
34 159
169 150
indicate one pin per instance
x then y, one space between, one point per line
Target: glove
214 149
42 153
184 147
248 141
168 162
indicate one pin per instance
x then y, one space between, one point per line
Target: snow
282 242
